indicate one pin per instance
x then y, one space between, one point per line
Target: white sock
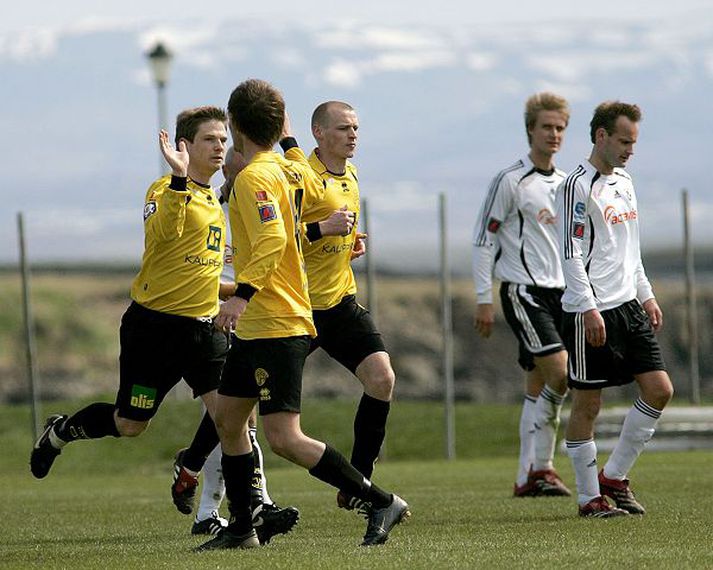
638 429
527 439
584 460
547 421
213 486
266 500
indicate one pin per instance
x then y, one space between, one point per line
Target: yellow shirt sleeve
165 210
255 202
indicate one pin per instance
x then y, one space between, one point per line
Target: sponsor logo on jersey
203 261
267 212
579 210
261 376
578 231
546 217
611 216
261 196
494 225
228 254
345 187
214 236
336 249
150 209
142 397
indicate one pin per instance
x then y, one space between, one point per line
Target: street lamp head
160 61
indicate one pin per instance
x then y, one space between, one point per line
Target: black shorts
347 333
631 348
535 316
267 369
157 350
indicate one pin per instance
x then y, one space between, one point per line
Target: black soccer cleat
183 488
227 540
210 526
271 520
382 521
43 452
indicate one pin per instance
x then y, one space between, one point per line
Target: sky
439 90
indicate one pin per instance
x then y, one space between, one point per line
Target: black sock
333 468
92 422
256 483
204 441
237 472
369 433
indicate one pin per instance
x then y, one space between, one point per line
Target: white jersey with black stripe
598 232
514 237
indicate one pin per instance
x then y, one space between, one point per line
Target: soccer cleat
183 489
546 483
620 493
527 490
270 520
350 503
381 521
601 509
43 452
227 540
212 525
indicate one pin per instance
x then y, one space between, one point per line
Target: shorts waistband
136 307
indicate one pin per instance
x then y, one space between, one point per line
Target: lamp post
160 61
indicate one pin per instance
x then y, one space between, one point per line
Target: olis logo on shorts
261 376
142 397
265 395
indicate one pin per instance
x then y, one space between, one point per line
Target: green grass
106 504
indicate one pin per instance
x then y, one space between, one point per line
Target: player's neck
202 178
541 160
334 164
602 166
250 149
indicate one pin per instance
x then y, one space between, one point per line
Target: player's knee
380 384
587 409
659 395
130 428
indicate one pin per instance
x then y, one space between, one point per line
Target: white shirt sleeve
496 208
644 291
571 201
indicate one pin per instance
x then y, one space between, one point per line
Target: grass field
107 505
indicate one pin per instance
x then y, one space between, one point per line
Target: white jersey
598 231
228 274
515 235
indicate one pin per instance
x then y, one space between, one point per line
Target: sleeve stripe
569 187
490 199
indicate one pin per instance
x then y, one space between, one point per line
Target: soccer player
167 331
204 453
271 314
514 239
345 329
610 313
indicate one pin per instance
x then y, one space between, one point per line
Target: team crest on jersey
267 212
261 196
494 225
261 376
579 210
345 187
578 231
150 209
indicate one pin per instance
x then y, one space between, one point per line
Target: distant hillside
77 317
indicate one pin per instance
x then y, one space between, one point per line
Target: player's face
339 137
617 148
207 151
547 133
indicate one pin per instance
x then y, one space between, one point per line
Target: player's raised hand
177 159
286 127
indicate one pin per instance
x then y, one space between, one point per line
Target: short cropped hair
544 101
257 110
606 114
321 113
189 121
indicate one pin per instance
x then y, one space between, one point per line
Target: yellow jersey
265 221
184 234
328 259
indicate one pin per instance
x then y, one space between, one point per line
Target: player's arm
572 202
226 290
165 205
645 295
495 209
